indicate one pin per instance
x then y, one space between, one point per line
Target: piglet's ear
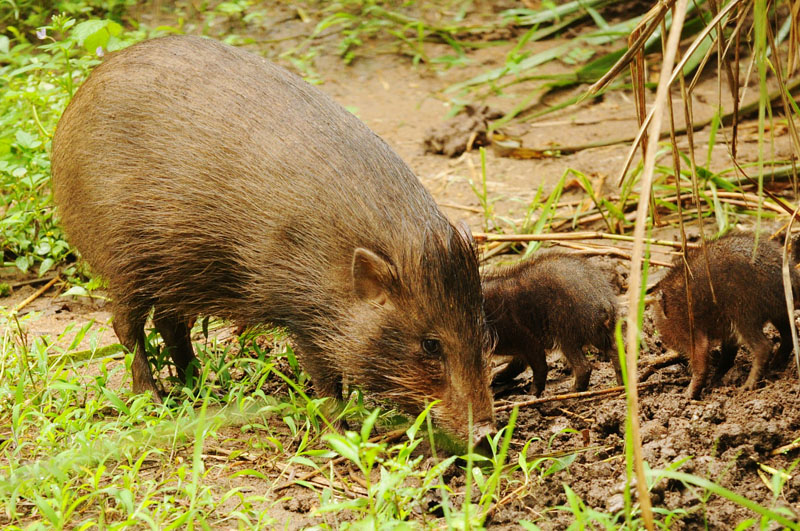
465 233
372 277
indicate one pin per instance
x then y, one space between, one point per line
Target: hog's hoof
148 386
693 392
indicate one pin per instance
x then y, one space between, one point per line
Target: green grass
79 451
40 71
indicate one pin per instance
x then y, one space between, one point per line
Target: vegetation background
246 445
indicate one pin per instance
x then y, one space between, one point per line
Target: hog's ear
372 277
465 233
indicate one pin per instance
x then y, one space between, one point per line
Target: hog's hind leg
129 327
729 349
176 334
784 353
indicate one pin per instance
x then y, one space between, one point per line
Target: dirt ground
726 436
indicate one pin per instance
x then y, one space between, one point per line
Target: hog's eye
432 347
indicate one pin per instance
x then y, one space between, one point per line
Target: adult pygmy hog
556 301
198 178
747 293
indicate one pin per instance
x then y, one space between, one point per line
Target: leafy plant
36 82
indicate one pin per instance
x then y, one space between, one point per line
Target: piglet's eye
432 347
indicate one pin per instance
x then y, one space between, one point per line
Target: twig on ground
460 207
325 482
32 281
38 293
500 248
225 454
569 413
345 487
578 396
360 481
648 369
504 500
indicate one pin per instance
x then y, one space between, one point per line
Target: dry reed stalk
787 290
635 278
604 250
564 236
732 198
677 71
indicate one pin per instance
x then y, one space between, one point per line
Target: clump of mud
464 131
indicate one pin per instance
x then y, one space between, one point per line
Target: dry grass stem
786 448
787 290
598 250
676 71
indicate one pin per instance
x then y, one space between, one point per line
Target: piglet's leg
730 347
699 362
537 359
613 356
761 348
581 368
511 370
784 353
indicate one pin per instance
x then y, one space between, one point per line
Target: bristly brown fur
198 178
747 293
556 300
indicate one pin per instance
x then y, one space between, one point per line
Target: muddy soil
727 436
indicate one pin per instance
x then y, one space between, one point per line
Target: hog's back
201 176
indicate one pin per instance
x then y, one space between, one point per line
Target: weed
36 82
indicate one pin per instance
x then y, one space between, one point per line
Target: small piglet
557 301
747 293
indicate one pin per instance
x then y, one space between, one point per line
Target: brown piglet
556 301
747 293
200 179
